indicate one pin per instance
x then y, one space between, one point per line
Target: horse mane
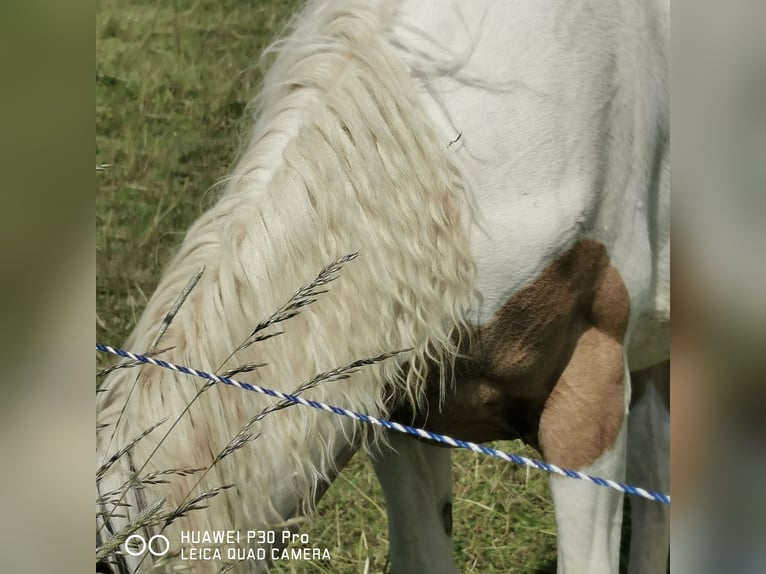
341 158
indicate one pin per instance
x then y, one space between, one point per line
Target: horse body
562 113
509 183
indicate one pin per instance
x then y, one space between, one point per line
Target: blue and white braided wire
472 446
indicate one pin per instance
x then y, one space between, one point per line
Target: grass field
172 82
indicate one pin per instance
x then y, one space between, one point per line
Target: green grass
172 82
503 519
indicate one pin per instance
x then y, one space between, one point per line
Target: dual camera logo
137 545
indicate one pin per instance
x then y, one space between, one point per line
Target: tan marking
548 368
584 412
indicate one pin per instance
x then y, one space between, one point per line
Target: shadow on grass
547 568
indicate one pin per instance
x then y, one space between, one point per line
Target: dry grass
172 82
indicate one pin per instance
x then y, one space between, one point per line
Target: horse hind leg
584 427
417 484
649 467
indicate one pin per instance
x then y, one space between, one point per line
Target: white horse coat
502 168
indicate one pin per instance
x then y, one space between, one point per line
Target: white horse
503 171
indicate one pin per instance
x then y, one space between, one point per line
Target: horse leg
417 484
584 426
589 517
649 467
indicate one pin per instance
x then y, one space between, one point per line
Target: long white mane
341 159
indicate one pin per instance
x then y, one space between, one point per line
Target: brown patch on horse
585 410
548 368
